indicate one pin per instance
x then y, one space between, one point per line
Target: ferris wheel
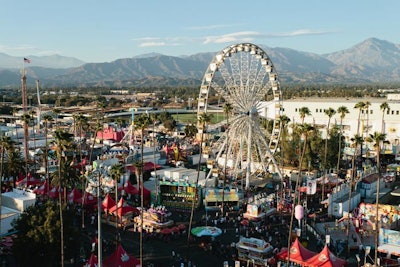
243 76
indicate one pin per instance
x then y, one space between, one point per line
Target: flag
27 60
311 187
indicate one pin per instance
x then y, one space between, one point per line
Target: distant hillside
371 61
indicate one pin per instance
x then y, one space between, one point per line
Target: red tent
53 193
147 166
29 181
107 203
42 190
74 196
129 188
325 259
120 258
122 208
298 253
92 261
89 199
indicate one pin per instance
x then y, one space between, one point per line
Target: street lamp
95 180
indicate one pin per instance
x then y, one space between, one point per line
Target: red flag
27 60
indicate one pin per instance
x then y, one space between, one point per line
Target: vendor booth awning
217 195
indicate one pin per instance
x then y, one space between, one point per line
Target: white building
371 118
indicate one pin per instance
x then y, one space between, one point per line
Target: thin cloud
242 36
211 27
18 48
152 44
251 35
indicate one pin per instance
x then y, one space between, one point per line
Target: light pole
358 260
95 180
367 251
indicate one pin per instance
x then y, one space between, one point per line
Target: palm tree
360 106
284 121
26 118
63 143
56 111
342 110
141 123
366 107
15 164
384 107
46 118
203 121
304 111
6 143
357 140
153 119
304 129
377 139
227 110
329 112
116 171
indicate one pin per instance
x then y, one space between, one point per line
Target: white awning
391 249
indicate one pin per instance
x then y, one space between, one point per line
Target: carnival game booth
179 195
214 198
254 250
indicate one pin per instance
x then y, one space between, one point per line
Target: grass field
192 117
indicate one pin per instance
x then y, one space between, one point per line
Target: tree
46 118
384 107
190 130
38 232
360 106
64 142
284 121
116 171
15 164
357 140
304 111
377 139
141 122
329 112
203 120
366 107
26 118
6 143
342 110
304 130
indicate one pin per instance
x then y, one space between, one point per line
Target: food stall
257 251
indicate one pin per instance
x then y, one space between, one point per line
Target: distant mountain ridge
371 61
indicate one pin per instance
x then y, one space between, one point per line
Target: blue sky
103 31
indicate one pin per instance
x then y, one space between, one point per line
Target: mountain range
371 61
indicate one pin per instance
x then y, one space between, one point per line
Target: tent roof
107 203
92 261
325 259
120 258
75 196
298 253
129 188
